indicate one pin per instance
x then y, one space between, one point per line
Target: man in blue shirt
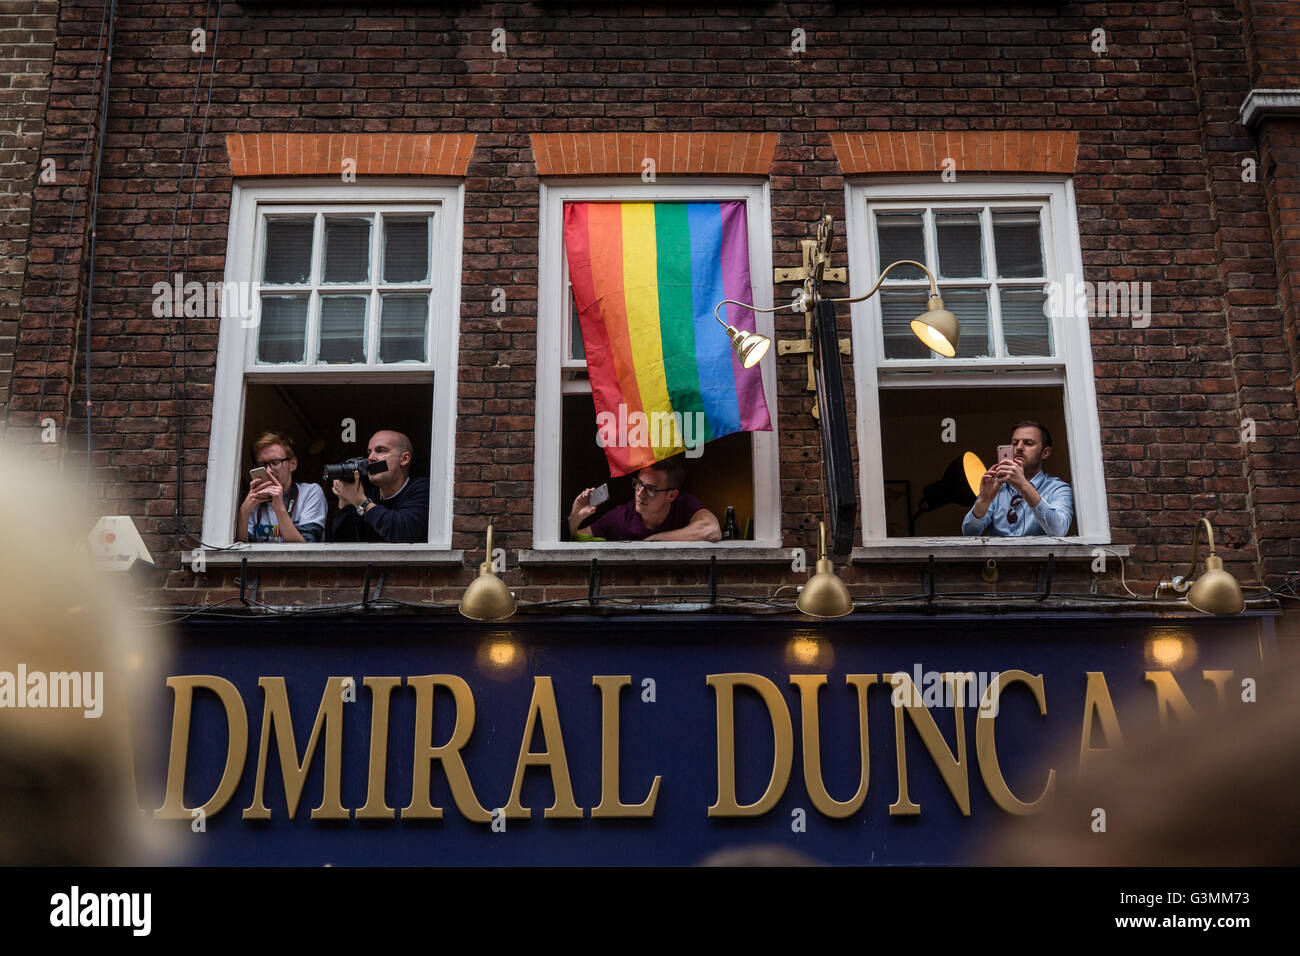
1017 498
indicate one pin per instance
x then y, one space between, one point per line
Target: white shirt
307 513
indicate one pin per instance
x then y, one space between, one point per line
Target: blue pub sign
657 739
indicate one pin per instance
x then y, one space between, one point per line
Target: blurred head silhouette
1218 790
71 658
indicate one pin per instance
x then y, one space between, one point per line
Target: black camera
364 466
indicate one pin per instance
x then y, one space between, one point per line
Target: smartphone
1006 453
599 496
259 474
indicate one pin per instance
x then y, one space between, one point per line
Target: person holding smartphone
278 509
1016 497
659 510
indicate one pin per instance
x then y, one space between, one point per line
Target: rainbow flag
646 278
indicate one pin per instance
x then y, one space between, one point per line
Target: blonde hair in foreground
68 793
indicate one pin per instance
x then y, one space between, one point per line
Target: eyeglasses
650 490
274 462
1012 516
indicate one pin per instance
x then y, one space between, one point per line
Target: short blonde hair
273 438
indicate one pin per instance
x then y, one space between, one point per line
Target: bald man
392 506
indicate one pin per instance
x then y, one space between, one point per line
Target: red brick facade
987 152
370 154
26 51
1147 127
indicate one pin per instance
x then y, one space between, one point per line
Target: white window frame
1070 367
552 347
237 364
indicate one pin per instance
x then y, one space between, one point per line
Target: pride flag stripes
646 278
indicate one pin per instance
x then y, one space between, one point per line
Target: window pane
1017 239
961 251
402 322
1025 326
901 237
288 251
971 306
347 250
342 328
282 330
577 349
898 310
406 250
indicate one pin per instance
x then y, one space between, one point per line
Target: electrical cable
180 393
94 223
178 307
72 215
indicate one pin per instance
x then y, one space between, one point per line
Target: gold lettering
1220 681
953 769
611 688
1097 699
381 690
462 791
329 717
809 687
173 807
724 686
986 750
552 758
1169 696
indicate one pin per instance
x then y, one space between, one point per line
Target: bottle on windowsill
730 530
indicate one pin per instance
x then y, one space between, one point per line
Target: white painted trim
550 335
1071 366
657 552
334 555
235 367
1260 105
981 549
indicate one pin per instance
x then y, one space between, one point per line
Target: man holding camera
1017 498
388 505
277 509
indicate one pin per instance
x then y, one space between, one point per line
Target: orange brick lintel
333 154
1051 151
625 154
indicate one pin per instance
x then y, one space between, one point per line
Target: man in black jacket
392 507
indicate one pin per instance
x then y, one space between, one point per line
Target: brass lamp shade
1216 591
750 347
938 328
825 594
487 598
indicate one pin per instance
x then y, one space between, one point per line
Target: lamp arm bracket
1196 544
934 288
840 275
804 346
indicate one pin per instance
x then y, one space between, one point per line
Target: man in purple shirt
659 510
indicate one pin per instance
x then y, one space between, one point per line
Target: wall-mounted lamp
750 347
487 598
938 328
1214 592
825 595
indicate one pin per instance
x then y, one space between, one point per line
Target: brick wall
1273 35
1273 46
1157 181
26 51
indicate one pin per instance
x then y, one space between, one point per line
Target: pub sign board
652 739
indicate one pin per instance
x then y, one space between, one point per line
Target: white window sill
333 555
657 552
981 549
